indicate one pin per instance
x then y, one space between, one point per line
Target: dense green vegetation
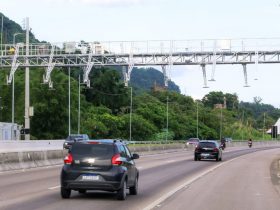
105 107
105 110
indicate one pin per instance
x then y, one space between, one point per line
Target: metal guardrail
42 145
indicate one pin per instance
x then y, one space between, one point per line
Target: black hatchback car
105 165
208 150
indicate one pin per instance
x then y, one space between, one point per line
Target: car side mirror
135 156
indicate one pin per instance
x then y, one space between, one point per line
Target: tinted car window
122 151
100 150
194 139
77 137
128 152
207 144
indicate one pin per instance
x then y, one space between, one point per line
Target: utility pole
69 102
2 25
263 124
196 119
242 125
130 114
166 119
27 98
221 123
79 108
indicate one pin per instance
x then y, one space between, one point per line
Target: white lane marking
53 188
188 182
170 161
18 171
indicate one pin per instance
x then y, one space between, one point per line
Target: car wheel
65 193
134 190
217 158
121 194
82 191
195 158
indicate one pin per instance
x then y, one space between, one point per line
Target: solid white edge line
52 188
190 181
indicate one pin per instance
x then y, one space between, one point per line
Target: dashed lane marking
187 183
53 188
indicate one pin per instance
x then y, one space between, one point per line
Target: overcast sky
118 20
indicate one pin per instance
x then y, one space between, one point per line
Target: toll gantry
129 54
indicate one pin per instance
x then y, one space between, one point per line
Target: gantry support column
245 75
47 76
204 76
126 70
165 77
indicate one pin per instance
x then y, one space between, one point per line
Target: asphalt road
161 178
242 184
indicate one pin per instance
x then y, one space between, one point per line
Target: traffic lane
153 182
244 183
33 187
48 177
35 182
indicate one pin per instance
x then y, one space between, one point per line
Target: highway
167 181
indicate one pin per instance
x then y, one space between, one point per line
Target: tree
107 90
257 100
142 129
213 98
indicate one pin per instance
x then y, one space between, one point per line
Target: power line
110 94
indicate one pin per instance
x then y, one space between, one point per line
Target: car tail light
94 142
68 159
116 159
216 149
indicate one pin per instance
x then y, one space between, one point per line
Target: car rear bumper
108 181
92 185
206 155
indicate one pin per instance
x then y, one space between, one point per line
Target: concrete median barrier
32 159
53 155
25 160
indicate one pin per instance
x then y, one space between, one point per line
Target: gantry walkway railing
140 53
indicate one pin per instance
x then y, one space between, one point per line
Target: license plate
90 177
204 155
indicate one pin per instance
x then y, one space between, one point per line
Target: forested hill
10 28
143 79
147 78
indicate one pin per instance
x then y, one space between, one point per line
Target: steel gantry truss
146 53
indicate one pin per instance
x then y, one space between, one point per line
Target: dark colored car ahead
208 150
105 165
192 141
73 138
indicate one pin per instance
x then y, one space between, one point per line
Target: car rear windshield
77 137
93 150
207 144
193 140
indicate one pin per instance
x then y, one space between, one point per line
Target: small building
158 88
221 106
277 124
9 131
